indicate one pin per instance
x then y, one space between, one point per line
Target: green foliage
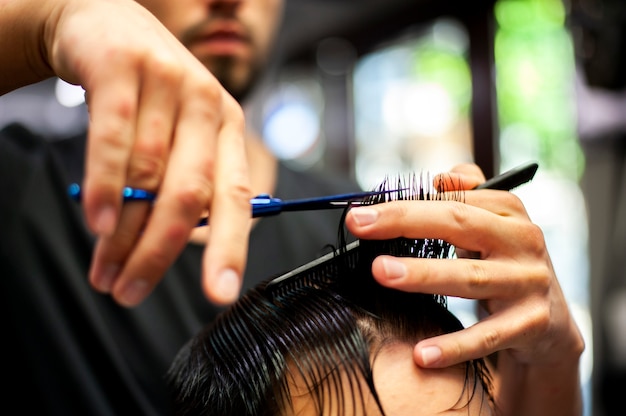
535 82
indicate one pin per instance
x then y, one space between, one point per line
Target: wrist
547 384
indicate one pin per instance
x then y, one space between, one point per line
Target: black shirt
70 350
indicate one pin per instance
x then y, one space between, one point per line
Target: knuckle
476 276
165 69
203 98
542 278
491 340
535 238
240 193
176 237
151 148
124 110
199 110
110 134
146 171
540 273
459 213
455 351
513 206
161 255
234 110
112 142
154 132
396 209
510 204
194 195
543 319
537 320
209 91
515 203
532 240
159 258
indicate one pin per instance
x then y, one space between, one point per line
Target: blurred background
370 88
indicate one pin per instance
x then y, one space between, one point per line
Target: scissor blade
332 201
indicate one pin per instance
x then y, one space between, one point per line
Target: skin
161 121
406 389
403 389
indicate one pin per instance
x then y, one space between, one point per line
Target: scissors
265 205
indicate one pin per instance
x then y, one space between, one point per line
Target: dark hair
323 327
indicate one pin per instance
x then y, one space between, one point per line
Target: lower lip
220 46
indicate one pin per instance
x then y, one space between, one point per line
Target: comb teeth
328 269
343 268
416 188
316 274
324 271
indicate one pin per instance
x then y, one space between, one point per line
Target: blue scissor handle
264 205
128 193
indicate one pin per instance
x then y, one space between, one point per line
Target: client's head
329 340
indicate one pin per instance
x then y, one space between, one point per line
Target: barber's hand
510 272
161 122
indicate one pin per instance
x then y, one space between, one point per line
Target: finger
157 111
225 258
469 169
185 192
479 211
470 279
495 333
463 176
503 203
111 253
155 122
163 238
462 225
113 112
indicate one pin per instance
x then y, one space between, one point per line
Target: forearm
548 389
24 27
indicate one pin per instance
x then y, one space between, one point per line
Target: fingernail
105 221
104 281
431 355
227 286
394 269
134 293
364 216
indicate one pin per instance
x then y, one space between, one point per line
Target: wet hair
318 334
